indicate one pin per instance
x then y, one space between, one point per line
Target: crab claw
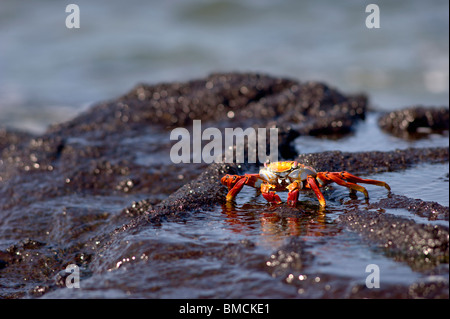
293 197
272 197
293 193
269 195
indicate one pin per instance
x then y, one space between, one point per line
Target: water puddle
367 136
428 182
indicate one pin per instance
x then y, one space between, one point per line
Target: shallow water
367 136
428 182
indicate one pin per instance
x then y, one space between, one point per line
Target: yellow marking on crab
292 186
279 167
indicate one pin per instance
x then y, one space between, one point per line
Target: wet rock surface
101 192
414 122
429 210
423 246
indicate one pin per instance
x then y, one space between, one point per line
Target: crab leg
235 183
312 183
341 178
337 179
349 180
355 179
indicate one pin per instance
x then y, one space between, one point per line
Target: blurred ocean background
49 73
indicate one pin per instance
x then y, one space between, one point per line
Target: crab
293 177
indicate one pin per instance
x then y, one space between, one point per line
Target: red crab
293 176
